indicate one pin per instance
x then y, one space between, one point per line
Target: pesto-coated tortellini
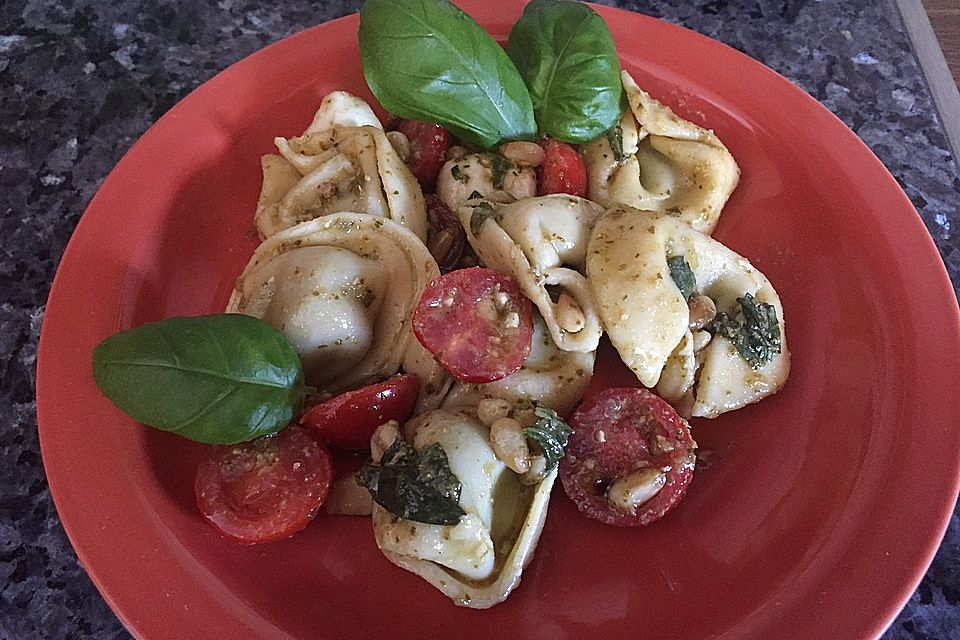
541 242
478 560
342 290
554 378
342 162
686 314
657 161
487 174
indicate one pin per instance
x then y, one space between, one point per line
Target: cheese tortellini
542 242
478 561
342 162
342 289
660 336
554 378
474 173
664 164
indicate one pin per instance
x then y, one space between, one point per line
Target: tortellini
486 174
478 561
554 378
541 242
654 328
342 290
342 162
665 164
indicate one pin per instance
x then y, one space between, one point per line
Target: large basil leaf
219 379
416 485
428 60
567 57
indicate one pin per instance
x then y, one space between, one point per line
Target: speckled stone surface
80 80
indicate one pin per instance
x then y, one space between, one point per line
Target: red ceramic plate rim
65 341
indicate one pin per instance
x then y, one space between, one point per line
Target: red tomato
617 432
428 149
476 322
562 170
443 219
348 420
266 489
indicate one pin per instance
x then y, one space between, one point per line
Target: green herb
219 379
682 276
499 167
675 211
458 174
757 337
428 60
615 138
474 195
481 212
549 434
567 57
416 485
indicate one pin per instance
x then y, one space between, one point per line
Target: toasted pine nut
439 244
631 491
700 340
382 438
500 197
525 154
400 144
456 152
510 445
702 311
536 472
569 314
347 498
489 410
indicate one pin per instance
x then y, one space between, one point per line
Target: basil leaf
615 138
481 212
549 434
218 379
416 485
757 337
499 167
428 60
567 57
682 275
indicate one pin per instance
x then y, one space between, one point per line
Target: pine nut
439 244
489 410
525 154
510 445
347 498
536 472
631 491
702 311
400 144
569 314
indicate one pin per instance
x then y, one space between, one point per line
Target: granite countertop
81 80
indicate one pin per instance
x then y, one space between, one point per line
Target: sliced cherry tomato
266 489
428 149
615 433
347 421
444 221
562 170
476 322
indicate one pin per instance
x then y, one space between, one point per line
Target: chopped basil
615 137
675 211
416 485
757 337
549 434
458 174
682 275
499 166
481 212
474 195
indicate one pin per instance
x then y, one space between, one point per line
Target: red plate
820 509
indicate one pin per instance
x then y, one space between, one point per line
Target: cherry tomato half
347 421
428 149
618 432
476 323
444 221
562 170
266 489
